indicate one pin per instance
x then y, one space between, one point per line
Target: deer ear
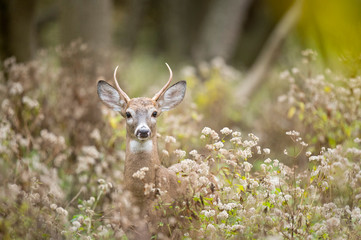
172 96
110 96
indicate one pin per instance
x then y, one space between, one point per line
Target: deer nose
143 132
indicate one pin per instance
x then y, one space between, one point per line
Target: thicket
62 157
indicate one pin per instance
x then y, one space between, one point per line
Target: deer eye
154 114
128 115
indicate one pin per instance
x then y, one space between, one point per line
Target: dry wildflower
91 199
266 150
226 131
236 134
170 139
275 162
208 213
285 75
292 133
218 145
268 161
214 135
165 153
180 153
51 138
258 150
333 222
222 215
16 89
211 228
206 131
140 174
209 147
324 185
90 151
193 153
104 186
288 197
95 134
253 137
203 180
244 154
263 167
76 224
30 102
247 166
149 188
62 211
236 140
295 70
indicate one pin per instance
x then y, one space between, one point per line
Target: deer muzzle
143 132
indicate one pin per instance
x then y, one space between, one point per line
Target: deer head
141 113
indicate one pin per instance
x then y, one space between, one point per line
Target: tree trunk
88 20
19 29
256 75
174 27
221 30
134 19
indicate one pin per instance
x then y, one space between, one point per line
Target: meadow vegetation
62 156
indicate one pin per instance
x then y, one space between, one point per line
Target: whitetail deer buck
141 146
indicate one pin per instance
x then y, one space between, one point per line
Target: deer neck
140 154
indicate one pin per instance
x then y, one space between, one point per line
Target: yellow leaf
113 122
291 112
302 106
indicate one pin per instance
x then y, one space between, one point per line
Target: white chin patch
140 146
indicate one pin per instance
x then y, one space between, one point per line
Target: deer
141 137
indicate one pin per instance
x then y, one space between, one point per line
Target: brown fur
141 114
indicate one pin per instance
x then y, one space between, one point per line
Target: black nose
143 133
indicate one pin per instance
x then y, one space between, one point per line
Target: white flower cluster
170 139
16 89
61 211
210 132
31 103
91 151
140 174
104 186
88 159
208 213
222 215
51 138
180 153
226 131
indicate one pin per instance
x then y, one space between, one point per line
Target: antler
157 96
124 95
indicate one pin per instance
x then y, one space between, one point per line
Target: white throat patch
140 146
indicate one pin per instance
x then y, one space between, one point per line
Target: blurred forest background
181 31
